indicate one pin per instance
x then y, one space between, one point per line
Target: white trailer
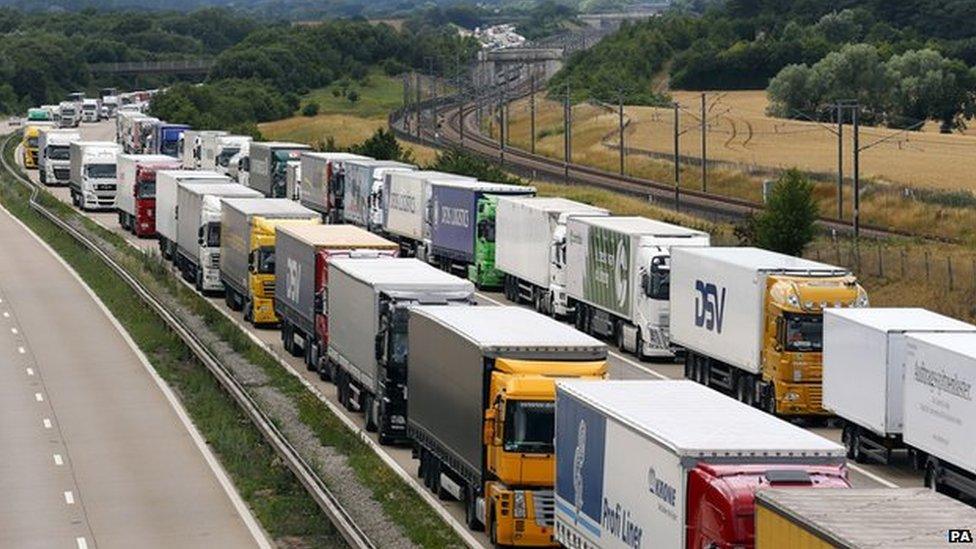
217 150
92 176
362 202
672 464
135 196
618 278
940 413
405 203
320 171
293 180
190 147
198 234
864 369
530 248
167 182
239 165
53 154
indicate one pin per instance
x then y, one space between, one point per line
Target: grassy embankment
918 182
345 121
277 499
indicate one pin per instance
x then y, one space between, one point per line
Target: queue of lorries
369 268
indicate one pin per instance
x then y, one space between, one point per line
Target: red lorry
136 191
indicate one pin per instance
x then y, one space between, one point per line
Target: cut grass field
750 147
346 122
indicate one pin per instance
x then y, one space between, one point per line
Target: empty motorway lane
93 452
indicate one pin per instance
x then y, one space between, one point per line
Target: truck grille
61 174
269 288
105 187
215 261
545 508
816 397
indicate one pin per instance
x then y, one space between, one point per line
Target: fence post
949 269
973 268
837 249
927 273
818 254
903 263
880 261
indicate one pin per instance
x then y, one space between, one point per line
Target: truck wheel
491 526
855 452
471 510
198 283
325 370
768 400
931 476
248 310
619 329
286 338
43 176
369 413
639 347
742 392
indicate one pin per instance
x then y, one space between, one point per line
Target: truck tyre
742 392
369 412
248 311
768 400
286 339
471 509
855 451
639 347
198 283
43 176
931 476
618 328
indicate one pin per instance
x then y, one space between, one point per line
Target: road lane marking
30 371
69 498
13 330
6 314
880 480
39 397
82 543
47 423
57 460
21 350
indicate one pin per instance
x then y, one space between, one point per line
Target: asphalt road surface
95 452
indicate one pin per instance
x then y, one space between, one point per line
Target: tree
383 145
929 86
786 225
352 96
310 109
462 162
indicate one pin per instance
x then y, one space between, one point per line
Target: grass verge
276 498
404 507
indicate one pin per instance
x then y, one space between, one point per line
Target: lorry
863 372
238 165
481 415
217 150
406 208
30 142
247 252
267 166
166 138
90 110
939 415
135 197
198 230
362 198
38 114
860 517
69 115
673 464
530 249
369 302
110 106
302 257
190 149
167 182
293 180
92 175
617 280
751 322
462 228
322 174
143 128
53 150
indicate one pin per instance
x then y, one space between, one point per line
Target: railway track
707 205
302 469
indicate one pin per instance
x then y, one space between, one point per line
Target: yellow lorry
482 411
32 134
247 252
871 517
751 323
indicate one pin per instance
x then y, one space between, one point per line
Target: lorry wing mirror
250 263
489 430
378 346
646 283
200 236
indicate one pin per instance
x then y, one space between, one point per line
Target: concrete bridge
496 67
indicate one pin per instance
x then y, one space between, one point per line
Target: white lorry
190 148
406 199
362 202
216 151
864 371
673 464
166 196
53 154
110 106
293 180
939 413
69 115
322 174
239 165
198 234
530 248
92 177
90 110
618 279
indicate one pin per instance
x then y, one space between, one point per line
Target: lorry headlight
793 300
862 299
518 510
791 396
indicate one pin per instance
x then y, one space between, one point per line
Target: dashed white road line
69 498
21 350
47 423
13 331
58 460
39 397
879 479
30 371
82 543
6 314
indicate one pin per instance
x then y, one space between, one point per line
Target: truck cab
239 165
166 138
69 115
29 145
226 149
54 155
90 110
93 174
793 341
259 304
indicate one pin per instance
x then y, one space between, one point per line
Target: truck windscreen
529 426
266 260
32 142
100 171
146 189
223 159
213 235
57 152
804 333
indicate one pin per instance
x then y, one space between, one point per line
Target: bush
352 96
310 109
786 225
462 162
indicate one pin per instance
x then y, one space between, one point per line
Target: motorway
97 452
620 366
